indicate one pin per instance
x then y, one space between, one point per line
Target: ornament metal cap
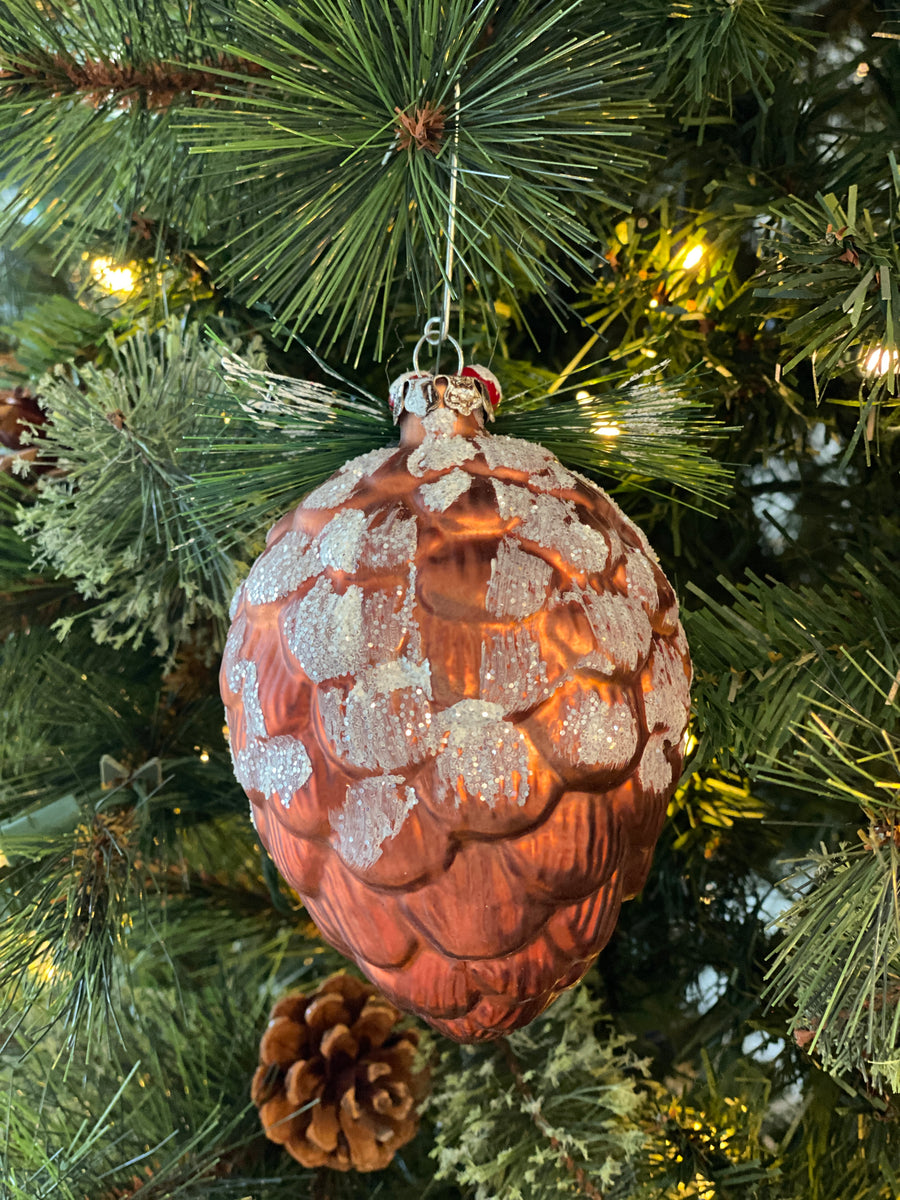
469 390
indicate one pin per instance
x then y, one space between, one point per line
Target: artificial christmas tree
670 232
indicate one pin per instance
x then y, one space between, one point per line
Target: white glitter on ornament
247 681
616 546
231 657
641 581
236 601
555 525
438 496
638 533
480 754
282 568
409 626
293 559
513 500
339 487
275 766
601 663
385 719
515 454
597 734
324 631
620 625
440 453
519 582
340 541
373 812
654 772
439 423
667 702
391 544
513 673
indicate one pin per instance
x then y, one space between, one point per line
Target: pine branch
758 662
91 98
643 429
839 961
117 520
286 436
834 281
545 123
578 1089
283 437
710 52
54 330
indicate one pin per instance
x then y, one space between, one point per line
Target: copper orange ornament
457 688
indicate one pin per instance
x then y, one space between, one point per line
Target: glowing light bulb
879 361
583 397
112 278
693 256
654 303
607 429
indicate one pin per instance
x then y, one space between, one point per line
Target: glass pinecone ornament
337 1083
457 688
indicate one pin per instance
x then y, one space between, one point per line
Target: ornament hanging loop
433 335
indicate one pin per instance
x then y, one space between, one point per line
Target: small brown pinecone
336 1083
17 407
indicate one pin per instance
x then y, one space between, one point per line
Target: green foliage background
740 1035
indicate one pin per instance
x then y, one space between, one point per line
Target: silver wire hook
432 337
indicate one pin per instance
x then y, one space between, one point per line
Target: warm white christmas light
879 361
112 278
602 428
693 256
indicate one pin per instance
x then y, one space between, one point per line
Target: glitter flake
519 582
620 625
324 631
385 720
276 766
513 672
340 487
438 496
597 734
439 454
544 469
373 812
282 568
481 755
667 700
